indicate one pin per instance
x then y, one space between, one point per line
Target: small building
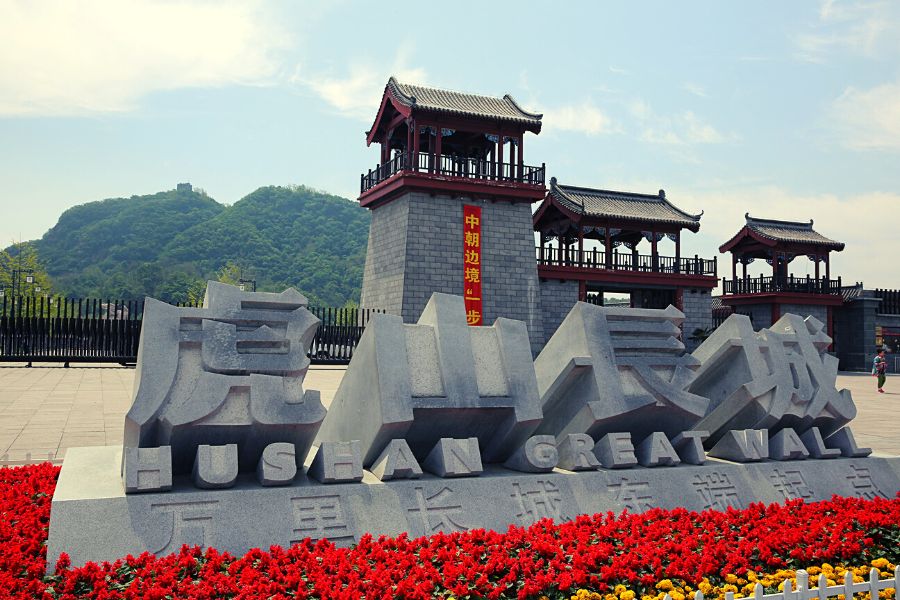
590 245
184 187
767 297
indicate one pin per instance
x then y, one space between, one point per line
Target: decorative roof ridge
659 198
396 85
518 106
795 224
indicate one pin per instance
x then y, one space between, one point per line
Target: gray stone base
93 520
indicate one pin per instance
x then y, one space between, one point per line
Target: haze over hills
169 243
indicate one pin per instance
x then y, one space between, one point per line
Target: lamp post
17 279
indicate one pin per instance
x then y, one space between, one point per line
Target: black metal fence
890 301
45 329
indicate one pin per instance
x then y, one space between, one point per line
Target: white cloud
583 118
682 129
695 89
358 93
869 119
61 58
862 28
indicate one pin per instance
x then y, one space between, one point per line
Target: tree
231 273
19 262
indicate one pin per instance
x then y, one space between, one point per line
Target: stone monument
439 426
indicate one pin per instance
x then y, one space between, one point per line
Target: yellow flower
676 595
705 587
731 578
627 595
665 585
619 589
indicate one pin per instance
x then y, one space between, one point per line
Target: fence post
802 585
786 591
823 587
873 583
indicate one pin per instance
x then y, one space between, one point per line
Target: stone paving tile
47 409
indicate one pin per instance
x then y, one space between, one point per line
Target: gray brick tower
451 206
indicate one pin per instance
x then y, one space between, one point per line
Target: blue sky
784 109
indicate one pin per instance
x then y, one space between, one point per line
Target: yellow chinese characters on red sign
472 263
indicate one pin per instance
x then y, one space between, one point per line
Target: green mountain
167 244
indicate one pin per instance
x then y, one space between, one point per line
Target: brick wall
418 242
696 304
557 299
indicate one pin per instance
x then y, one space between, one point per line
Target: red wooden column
744 262
416 137
827 267
580 260
654 258
734 266
678 252
437 150
608 241
500 156
410 125
816 258
521 159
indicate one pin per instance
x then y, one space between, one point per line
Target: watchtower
778 243
451 204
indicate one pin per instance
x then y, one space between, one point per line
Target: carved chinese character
439 378
609 370
320 517
537 500
633 494
790 484
230 372
779 377
183 523
716 490
435 512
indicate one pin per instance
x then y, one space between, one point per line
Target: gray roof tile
790 231
622 205
439 100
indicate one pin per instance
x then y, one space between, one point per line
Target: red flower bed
545 559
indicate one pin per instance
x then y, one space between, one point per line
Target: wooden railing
616 261
766 285
453 166
890 301
44 329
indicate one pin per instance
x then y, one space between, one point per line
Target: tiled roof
790 231
622 205
851 292
435 99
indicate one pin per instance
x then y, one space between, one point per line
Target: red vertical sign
472 263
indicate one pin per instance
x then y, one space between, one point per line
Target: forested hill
166 244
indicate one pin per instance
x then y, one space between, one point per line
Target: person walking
879 369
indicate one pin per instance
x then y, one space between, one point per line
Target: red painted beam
784 298
428 182
624 276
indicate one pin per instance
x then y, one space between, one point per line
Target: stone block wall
696 304
808 310
386 258
557 299
420 242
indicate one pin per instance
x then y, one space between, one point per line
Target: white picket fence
823 591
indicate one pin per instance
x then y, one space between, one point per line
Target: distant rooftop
790 232
650 208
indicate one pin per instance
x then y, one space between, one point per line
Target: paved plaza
47 409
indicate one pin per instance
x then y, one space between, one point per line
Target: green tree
18 263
